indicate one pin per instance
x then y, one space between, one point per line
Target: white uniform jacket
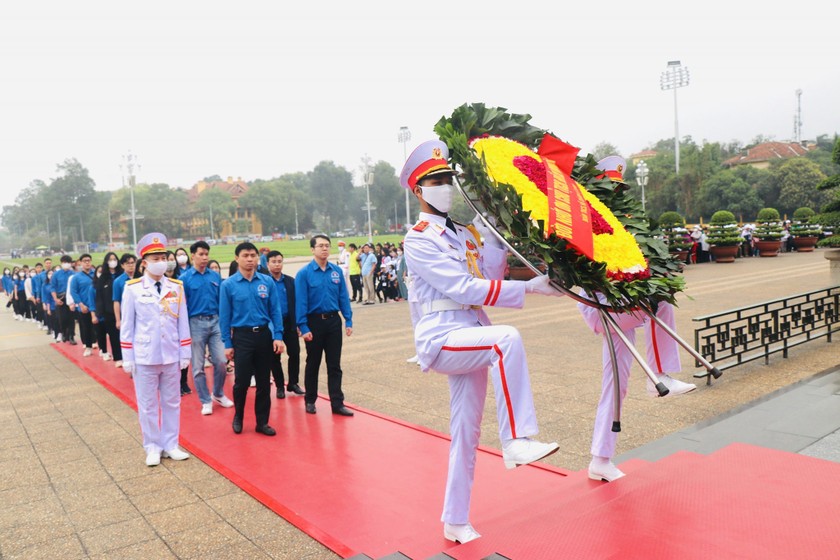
454 267
154 328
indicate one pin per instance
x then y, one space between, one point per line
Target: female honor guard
453 335
155 341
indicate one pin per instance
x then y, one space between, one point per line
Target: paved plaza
73 481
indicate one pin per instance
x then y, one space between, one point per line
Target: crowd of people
129 307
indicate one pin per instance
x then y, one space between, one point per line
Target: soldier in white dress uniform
663 357
156 345
453 276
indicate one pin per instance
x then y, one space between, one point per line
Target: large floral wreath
499 167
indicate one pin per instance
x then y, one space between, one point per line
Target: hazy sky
258 89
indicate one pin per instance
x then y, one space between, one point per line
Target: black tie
157 285
450 225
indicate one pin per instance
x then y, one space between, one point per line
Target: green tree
798 179
217 206
604 149
726 191
331 187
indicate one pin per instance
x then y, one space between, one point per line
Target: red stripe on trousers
505 389
655 347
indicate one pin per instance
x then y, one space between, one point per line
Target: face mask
112 264
32 275
157 268
182 259
440 197
65 266
170 266
21 276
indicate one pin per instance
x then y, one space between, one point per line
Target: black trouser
86 329
292 343
108 330
356 283
52 322
327 339
66 322
253 353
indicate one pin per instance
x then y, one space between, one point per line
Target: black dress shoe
237 425
266 430
295 388
343 411
281 394
310 408
72 342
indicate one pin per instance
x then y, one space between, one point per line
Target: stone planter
680 255
724 253
767 248
805 244
833 257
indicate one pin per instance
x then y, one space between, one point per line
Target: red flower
534 170
599 224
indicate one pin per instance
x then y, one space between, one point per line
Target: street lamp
404 135
642 179
368 182
128 166
673 78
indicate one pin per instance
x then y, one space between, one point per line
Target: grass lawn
224 253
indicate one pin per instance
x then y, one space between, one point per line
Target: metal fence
738 336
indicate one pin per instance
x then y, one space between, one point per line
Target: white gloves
491 239
184 363
539 285
128 367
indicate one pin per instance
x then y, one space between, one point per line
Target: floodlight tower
404 135
674 77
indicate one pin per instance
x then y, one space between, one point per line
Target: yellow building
199 225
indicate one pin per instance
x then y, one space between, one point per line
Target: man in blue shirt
368 269
128 262
66 320
202 287
320 291
85 299
286 291
42 279
252 328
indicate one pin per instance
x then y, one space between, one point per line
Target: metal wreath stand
607 320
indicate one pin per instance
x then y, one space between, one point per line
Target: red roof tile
768 151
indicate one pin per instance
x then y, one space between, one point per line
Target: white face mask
112 264
65 266
157 268
182 259
21 275
440 197
170 266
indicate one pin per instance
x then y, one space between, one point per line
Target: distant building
639 156
761 155
243 222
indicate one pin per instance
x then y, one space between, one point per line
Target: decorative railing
738 336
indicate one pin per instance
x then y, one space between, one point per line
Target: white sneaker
413 360
675 386
95 345
17 317
223 401
176 454
521 451
106 357
87 352
253 381
153 458
207 409
207 363
118 363
605 471
59 338
460 533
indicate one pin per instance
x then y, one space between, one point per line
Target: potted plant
723 236
676 236
768 232
805 234
516 270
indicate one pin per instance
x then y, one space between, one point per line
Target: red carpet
374 485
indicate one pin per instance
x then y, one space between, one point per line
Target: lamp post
128 166
368 182
673 78
642 179
404 135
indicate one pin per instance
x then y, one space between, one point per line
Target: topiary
768 225
803 214
802 225
723 230
672 225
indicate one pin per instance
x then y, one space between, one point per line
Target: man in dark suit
286 290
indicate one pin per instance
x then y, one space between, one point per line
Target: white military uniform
663 356
155 335
450 283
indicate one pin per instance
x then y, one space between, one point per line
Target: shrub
831 241
673 226
768 225
723 230
803 214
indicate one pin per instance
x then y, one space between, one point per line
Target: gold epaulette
175 280
133 281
